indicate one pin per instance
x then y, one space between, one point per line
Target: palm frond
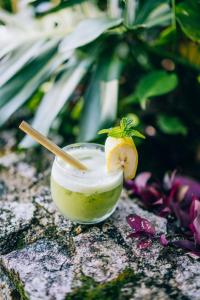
100 100
56 98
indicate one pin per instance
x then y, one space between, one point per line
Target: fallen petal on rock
144 244
163 240
141 225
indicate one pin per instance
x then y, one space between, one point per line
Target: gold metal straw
41 139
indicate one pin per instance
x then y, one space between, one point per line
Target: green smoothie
89 196
83 207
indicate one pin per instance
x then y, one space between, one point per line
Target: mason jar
86 197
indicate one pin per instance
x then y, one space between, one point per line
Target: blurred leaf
171 125
191 52
22 56
87 31
150 13
6 4
153 84
76 111
56 98
145 8
167 36
100 101
15 93
130 12
42 8
162 20
188 17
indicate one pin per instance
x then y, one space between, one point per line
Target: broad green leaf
171 125
21 87
154 84
56 98
87 31
188 16
100 101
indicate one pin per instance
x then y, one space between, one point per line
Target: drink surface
85 196
96 179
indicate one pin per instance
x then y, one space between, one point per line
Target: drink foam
95 179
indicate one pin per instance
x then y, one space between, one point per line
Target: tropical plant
96 47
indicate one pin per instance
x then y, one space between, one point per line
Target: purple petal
182 192
142 179
196 225
139 224
164 212
195 219
130 184
163 240
187 245
168 180
193 186
150 195
194 208
158 202
144 244
181 215
135 234
172 194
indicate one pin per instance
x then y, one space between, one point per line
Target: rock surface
44 256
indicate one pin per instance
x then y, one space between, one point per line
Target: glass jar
86 197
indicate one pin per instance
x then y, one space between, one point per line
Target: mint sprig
125 129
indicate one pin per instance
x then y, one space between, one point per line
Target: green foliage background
74 67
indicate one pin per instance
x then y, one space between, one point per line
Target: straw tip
22 124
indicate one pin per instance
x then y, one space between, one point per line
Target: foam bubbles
96 179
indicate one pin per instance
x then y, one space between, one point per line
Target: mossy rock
92 290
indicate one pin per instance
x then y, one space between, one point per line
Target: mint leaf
124 130
136 133
114 132
126 123
102 131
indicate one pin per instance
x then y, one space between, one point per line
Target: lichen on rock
43 268
15 218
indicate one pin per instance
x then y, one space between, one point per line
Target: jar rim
81 173
85 181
